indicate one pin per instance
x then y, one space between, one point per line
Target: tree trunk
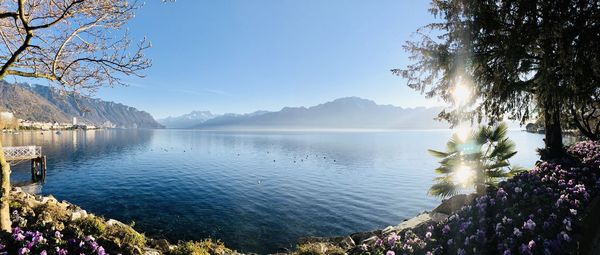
553 140
5 224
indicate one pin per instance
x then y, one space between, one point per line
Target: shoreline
164 246
46 214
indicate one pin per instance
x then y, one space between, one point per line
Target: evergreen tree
521 58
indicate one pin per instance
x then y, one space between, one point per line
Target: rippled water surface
256 191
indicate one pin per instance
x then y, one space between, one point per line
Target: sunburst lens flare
463 175
463 132
461 93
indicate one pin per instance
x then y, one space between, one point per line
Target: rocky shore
117 237
44 225
353 243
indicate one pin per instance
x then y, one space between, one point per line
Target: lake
256 191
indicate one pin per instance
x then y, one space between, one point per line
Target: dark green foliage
319 249
118 236
90 225
204 247
523 58
486 152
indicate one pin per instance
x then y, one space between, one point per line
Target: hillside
343 113
187 120
45 104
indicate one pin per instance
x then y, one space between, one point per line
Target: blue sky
240 56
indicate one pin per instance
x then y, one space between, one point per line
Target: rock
282 251
360 236
162 244
49 199
63 205
415 222
438 217
451 205
78 214
370 241
150 251
111 222
346 243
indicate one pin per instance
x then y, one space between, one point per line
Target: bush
319 249
90 225
535 212
120 237
205 247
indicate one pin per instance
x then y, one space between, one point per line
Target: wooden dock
18 154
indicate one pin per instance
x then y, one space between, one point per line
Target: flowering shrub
49 228
587 151
535 212
41 231
34 242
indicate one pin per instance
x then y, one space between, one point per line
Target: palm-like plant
478 160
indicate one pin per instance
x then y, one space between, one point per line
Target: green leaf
499 132
508 155
497 165
443 189
443 170
438 154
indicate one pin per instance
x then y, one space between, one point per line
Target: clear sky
240 55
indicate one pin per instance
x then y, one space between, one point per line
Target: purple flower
23 251
378 242
61 251
517 232
100 251
529 224
428 235
392 238
390 252
567 223
565 236
524 249
531 244
445 229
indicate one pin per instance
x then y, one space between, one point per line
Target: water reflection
256 191
71 147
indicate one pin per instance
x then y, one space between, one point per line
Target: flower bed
536 212
30 242
42 225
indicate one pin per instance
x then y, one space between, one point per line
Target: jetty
18 154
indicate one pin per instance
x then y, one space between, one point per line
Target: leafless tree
79 45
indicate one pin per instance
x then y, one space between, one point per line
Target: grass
204 247
318 249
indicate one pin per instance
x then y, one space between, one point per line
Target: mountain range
47 104
342 113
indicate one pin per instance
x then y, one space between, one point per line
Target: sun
461 93
463 132
463 175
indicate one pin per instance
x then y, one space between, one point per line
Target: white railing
22 152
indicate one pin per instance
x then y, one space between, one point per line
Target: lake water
256 191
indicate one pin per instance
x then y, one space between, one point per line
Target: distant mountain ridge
187 120
342 113
46 104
